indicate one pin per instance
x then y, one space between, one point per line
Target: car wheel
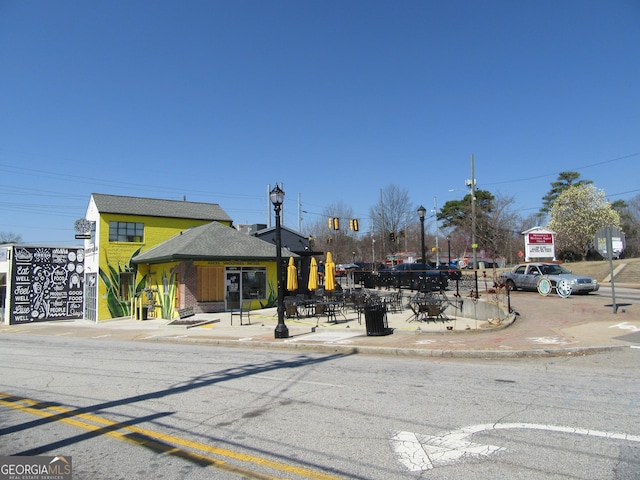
511 285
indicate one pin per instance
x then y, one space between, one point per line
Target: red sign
546 238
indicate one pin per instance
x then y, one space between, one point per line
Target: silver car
526 277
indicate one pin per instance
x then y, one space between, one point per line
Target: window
126 232
254 282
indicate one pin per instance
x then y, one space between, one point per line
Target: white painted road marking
550 340
325 337
422 452
418 453
626 326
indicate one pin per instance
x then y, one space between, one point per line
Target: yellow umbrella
313 275
292 276
330 274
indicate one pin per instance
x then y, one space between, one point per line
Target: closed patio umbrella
313 275
330 274
292 276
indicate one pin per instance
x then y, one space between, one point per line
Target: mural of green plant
167 295
117 306
272 299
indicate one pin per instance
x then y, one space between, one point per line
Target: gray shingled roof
213 241
155 207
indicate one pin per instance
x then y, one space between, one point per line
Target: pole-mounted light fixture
421 213
277 198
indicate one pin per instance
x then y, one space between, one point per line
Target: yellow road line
158 441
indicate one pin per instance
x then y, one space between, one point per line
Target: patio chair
291 310
243 311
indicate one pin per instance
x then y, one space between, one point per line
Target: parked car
366 273
526 276
413 276
453 272
341 268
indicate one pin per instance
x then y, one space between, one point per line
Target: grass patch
598 269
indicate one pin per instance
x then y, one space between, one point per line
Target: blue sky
216 100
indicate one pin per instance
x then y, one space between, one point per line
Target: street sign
83 236
82 225
609 241
616 237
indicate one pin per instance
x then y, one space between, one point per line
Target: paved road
141 410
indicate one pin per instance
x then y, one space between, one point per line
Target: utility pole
435 215
383 231
268 206
406 244
474 245
299 213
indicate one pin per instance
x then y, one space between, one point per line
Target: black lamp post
421 213
277 198
449 249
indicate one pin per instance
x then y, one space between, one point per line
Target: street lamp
449 249
277 198
421 213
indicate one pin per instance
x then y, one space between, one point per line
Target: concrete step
629 273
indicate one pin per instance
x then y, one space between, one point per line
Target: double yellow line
159 442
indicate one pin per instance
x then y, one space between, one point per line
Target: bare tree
390 219
342 242
8 237
496 233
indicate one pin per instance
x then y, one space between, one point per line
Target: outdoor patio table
428 306
330 309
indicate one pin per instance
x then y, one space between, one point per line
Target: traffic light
392 236
334 223
353 225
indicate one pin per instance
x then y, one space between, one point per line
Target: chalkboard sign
47 284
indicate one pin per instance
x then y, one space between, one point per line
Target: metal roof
155 207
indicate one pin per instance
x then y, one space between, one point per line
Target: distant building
250 229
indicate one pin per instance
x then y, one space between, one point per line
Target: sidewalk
541 326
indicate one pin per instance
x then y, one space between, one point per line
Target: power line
565 170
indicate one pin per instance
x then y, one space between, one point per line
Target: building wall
183 281
5 269
115 257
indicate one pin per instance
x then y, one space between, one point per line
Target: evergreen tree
565 180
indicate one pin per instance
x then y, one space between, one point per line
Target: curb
393 351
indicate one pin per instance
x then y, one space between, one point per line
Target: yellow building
151 257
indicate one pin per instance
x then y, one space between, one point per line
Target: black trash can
375 317
145 313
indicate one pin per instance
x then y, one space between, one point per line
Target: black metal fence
463 282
